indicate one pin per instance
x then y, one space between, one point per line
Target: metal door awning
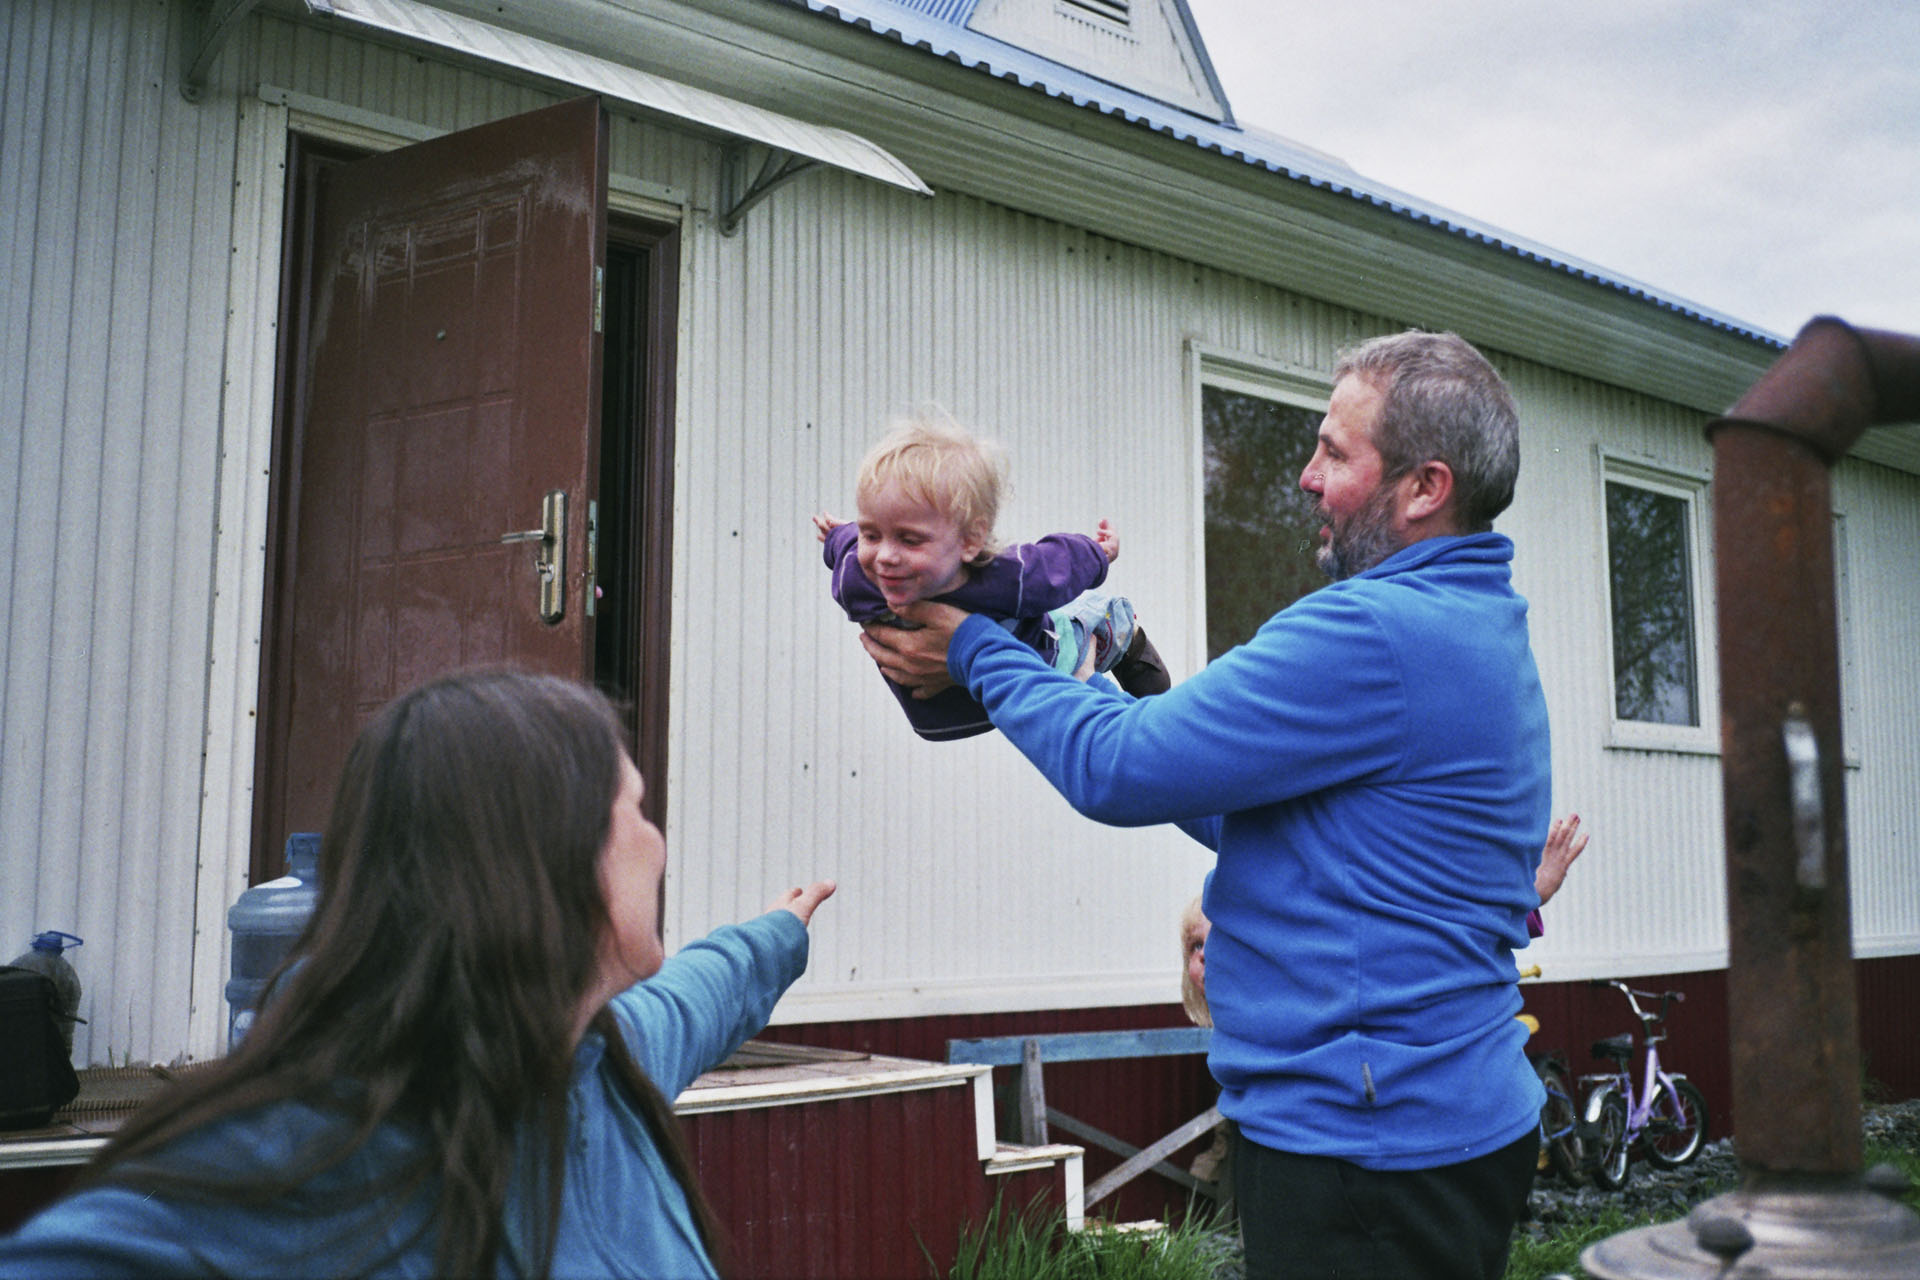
793 146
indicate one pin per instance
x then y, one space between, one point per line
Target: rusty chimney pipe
1803 1209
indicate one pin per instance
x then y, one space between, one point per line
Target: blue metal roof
939 28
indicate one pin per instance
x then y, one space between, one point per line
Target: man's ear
1428 492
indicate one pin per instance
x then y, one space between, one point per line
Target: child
928 496
1215 1163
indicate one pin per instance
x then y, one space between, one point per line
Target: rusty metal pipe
1833 383
1791 1007
1803 1209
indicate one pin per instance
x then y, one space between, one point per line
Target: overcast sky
1760 158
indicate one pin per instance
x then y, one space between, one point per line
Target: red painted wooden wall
1136 1100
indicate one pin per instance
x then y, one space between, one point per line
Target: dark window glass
1648 543
1261 530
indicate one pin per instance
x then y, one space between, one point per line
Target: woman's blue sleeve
711 997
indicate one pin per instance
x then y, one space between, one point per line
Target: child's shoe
1110 632
1098 634
1140 670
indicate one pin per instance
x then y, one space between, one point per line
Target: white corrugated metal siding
1882 512
114 257
1649 895
966 882
134 410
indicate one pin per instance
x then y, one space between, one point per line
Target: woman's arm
715 993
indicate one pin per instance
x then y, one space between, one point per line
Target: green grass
1034 1244
1560 1254
1907 1162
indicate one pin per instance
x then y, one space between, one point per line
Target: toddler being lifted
928 496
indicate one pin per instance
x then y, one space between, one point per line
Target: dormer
1150 47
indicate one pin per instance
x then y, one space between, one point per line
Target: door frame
229 732
650 545
632 224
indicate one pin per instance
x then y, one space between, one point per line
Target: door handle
549 554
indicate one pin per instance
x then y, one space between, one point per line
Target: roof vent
1116 10
1148 47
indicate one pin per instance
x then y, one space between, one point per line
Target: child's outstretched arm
1107 536
825 523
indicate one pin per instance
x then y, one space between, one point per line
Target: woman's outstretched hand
802 901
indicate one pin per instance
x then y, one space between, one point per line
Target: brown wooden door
450 380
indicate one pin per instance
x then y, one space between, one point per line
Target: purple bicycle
1667 1120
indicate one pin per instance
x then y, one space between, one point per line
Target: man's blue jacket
1372 769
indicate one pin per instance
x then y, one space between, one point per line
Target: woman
467 1070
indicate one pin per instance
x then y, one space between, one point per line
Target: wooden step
1012 1157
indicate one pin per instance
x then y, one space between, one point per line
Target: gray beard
1363 541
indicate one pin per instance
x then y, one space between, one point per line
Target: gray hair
1442 401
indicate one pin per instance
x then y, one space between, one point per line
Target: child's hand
1565 842
824 524
1107 536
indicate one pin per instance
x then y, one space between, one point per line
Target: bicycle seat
1619 1048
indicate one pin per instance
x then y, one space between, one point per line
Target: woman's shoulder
106 1231
144 1219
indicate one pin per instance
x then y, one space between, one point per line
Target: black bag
36 1072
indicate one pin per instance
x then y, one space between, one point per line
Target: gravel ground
1671 1193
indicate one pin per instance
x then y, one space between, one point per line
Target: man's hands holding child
916 659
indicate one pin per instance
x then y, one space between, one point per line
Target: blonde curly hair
932 458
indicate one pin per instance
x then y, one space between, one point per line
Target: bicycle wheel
1677 1127
1560 1128
1607 1132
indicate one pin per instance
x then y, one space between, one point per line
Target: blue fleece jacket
1372 770
622 1213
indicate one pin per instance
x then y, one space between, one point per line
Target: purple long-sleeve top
1017 587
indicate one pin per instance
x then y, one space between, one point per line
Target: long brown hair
436 987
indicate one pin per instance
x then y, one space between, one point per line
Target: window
1662 678
1113 9
1850 704
1257 433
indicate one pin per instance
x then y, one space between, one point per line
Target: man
1372 769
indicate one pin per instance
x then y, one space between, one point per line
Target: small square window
1650 586
1850 701
1261 531
1661 655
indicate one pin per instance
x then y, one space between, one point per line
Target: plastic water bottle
265 921
44 957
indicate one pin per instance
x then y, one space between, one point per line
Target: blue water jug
44 957
265 922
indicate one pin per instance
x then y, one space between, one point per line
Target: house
1041 214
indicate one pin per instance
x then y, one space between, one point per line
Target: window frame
1847 654
1301 386
1694 488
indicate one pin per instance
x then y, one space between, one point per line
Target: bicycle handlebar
1634 996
